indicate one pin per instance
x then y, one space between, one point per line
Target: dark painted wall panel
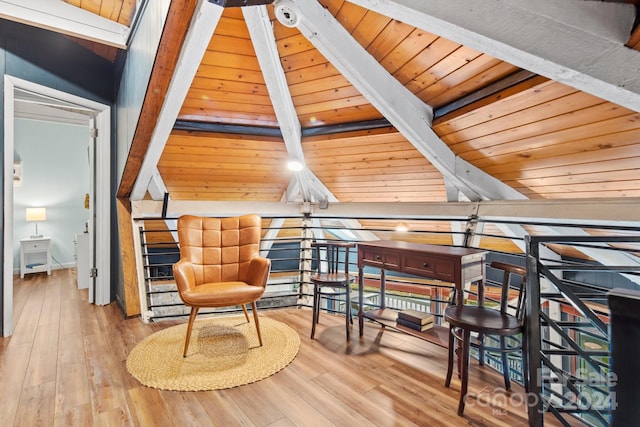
54 60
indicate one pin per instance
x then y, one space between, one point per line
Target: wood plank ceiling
543 138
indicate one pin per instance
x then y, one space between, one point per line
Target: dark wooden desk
448 264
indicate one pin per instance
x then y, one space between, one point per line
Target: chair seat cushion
222 294
331 279
482 319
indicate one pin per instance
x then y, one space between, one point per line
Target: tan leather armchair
220 265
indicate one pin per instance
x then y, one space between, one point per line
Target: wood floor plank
191 411
65 365
114 417
13 368
80 416
222 410
36 406
72 382
257 404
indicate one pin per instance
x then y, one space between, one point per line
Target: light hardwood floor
65 366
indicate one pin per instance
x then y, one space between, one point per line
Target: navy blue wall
55 61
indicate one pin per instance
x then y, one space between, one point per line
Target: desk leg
383 289
360 300
480 284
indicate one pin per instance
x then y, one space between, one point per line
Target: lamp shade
36 214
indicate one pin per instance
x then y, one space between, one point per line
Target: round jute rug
224 353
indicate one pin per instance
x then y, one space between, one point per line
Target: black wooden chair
504 323
332 261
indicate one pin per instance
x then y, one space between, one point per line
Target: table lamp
36 214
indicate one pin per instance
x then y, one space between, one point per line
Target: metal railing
567 324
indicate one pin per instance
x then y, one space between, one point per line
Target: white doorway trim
101 198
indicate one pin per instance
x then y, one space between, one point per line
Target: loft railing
567 323
568 278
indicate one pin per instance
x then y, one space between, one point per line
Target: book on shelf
415 316
413 325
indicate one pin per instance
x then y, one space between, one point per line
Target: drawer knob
378 257
425 265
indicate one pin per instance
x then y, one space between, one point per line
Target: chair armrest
258 271
184 275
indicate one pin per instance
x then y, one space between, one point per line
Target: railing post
532 335
305 256
142 273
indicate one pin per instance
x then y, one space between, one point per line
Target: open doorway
98 117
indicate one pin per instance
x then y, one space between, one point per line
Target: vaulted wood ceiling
543 138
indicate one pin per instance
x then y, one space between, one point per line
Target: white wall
55 174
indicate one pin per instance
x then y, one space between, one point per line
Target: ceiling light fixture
402 227
295 165
287 13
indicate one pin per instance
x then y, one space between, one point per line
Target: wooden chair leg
244 309
465 371
255 318
452 343
505 364
347 313
316 309
192 317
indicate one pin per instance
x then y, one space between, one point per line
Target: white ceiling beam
575 42
156 187
61 17
264 44
203 24
403 109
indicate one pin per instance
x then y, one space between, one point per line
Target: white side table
35 255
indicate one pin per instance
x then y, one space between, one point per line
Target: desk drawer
379 257
35 246
434 267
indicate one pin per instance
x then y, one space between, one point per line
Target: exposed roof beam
203 23
227 128
157 189
264 44
403 109
575 42
61 17
491 89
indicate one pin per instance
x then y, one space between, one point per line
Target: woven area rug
224 353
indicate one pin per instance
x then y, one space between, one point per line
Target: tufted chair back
219 249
